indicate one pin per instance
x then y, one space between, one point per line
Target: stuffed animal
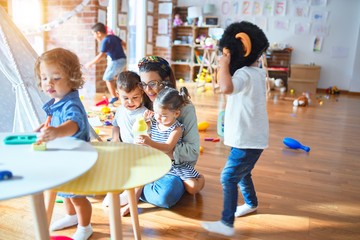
302 101
177 20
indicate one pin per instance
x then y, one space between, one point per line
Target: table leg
50 197
39 213
115 218
134 213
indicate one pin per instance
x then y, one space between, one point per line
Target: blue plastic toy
294 144
5 175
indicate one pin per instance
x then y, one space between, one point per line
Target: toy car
5 175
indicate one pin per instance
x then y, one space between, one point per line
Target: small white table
36 171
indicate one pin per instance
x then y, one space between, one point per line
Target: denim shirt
69 108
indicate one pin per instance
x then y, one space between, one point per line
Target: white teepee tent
20 99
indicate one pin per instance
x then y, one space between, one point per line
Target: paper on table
64 143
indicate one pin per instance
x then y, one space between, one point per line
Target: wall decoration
102 16
280 8
150 21
301 11
103 3
281 24
165 8
122 19
317 44
150 7
302 28
319 15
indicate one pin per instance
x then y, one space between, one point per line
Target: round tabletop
36 171
120 166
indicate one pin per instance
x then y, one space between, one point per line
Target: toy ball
292 91
201 149
105 110
202 126
181 80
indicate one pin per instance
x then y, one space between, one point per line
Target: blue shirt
69 108
111 45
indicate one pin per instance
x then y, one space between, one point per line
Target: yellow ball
292 91
201 149
181 80
105 110
202 126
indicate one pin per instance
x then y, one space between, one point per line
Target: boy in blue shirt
112 47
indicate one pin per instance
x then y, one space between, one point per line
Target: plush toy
201 39
245 41
302 101
177 20
210 42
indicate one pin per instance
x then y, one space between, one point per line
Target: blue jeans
237 171
165 192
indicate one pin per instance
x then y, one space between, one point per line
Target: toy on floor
105 101
202 126
294 144
333 90
302 101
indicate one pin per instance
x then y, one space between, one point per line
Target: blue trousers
165 192
237 172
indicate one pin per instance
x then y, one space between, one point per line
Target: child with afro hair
246 127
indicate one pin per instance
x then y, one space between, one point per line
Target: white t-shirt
246 122
125 119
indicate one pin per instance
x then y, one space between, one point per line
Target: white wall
344 33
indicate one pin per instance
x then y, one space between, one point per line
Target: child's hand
47 134
39 128
143 140
148 114
225 58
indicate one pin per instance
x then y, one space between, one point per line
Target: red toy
105 101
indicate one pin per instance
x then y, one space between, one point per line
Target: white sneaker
65 222
218 227
244 210
83 233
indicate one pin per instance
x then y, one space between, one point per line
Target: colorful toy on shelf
201 149
105 101
177 20
202 126
294 144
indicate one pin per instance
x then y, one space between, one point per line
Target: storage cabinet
185 51
304 78
279 64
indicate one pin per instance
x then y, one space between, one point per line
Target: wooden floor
313 195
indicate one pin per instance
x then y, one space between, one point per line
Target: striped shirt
184 170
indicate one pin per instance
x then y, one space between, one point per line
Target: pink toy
292 143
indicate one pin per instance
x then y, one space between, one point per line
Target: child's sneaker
243 210
65 222
114 99
83 233
218 227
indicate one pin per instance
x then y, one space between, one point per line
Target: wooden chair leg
49 197
115 218
134 213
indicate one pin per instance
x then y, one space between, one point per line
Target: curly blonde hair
67 61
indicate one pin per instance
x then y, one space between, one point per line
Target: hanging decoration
53 24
